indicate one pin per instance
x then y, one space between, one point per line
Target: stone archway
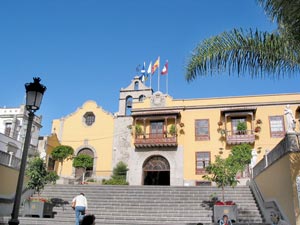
156 171
89 171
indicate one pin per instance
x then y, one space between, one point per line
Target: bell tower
137 91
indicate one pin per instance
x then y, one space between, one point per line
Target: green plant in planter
172 129
223 171
241 127
38 175
138 129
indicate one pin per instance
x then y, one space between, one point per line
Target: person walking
79 204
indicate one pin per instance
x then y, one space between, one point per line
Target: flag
149 68
165 69
143 70
142 78
155 66
145 77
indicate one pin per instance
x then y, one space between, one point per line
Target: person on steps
79 204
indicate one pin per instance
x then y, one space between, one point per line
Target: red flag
165 69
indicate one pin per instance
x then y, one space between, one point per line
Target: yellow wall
278 181
72 130
9 179
192 109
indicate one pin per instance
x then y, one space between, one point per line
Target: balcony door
235 122
157 129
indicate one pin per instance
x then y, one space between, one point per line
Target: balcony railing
239 137
155 140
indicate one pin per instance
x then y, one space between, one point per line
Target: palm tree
256 52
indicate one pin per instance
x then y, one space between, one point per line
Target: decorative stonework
158 100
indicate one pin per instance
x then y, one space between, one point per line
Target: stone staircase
145 205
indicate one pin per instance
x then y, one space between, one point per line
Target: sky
90 49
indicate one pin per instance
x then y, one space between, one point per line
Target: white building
13 126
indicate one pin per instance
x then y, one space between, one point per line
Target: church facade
166 141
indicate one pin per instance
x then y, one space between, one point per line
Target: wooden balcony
247 136
155 140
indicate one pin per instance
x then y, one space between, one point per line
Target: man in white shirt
79 203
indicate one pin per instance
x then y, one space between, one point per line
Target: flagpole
158 80
167 81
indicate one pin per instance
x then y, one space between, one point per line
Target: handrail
260 200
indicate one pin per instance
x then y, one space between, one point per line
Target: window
51 164
142 98
157 129
201 130
276 126
235 122
202 161
136 85
128 105
89 118
203 183
7 129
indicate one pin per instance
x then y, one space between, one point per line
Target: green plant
83 161
241 126
52 177
223 171
119 175
61 153
38 175
172 129
138 129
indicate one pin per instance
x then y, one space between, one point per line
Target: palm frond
287 14
258 53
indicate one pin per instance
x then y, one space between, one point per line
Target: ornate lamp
34 96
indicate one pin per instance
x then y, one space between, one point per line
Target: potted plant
138 130
223 172
258 121
38 177
241 127
257 129
172 130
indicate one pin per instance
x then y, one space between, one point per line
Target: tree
259 53
38 175
83 161
223 171
61 153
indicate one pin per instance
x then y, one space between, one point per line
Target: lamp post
34 96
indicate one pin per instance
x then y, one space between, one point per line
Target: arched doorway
89 171
156 171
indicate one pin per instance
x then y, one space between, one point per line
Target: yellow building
204 128
89 130
168 141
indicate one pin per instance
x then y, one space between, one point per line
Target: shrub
119 175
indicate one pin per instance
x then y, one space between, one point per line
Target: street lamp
34 96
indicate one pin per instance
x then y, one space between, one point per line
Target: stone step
145 205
